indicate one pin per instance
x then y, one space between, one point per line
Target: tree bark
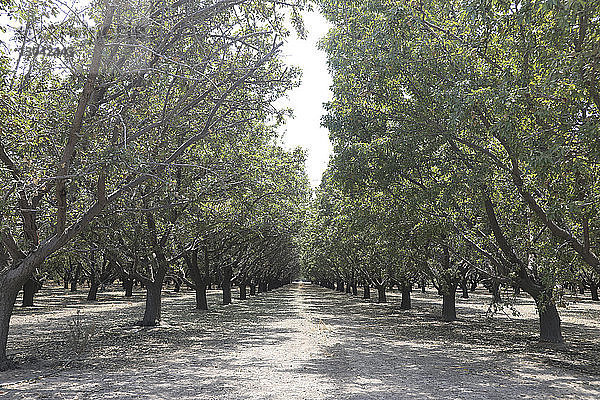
93 293
226 284
449 307
550 330
473 285
340 286
405 304
243 295
594 291
67 279
201 279
262 286
29 289
201 302
252 289
495 289
381 294
465 289
128 286
153 304
8 296
75 278
366 291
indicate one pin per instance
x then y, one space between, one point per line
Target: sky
307 100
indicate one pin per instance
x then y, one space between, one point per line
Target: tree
197 65
460 100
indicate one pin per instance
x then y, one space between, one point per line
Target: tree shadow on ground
295 343
190 355
385 352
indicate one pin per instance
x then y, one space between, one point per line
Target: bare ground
299 342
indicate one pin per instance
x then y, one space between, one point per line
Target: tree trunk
465 289
243 295
449 306
473 285
226 284
153 300
594 291
262 286
93 293
177 283
381 294
252 290
128 286
67 279
8 296
29 289
75 278
354 289
348 288
405 304
496 292
550 330
201 302
366 291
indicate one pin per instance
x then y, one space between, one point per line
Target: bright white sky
307 100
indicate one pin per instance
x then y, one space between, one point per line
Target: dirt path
300 342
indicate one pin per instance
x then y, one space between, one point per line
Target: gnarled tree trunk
94 285
465 289
7 301
201 302
66 279
75 278
30 288
495 289
153 304
550 330
226 284
449 306
405 304
243 295
262 286
366 291
128 286
594 291
381 294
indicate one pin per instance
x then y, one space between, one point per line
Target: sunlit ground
299 342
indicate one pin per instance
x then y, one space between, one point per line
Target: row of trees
150 156
465 138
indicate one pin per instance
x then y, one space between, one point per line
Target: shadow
383 352
298 342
